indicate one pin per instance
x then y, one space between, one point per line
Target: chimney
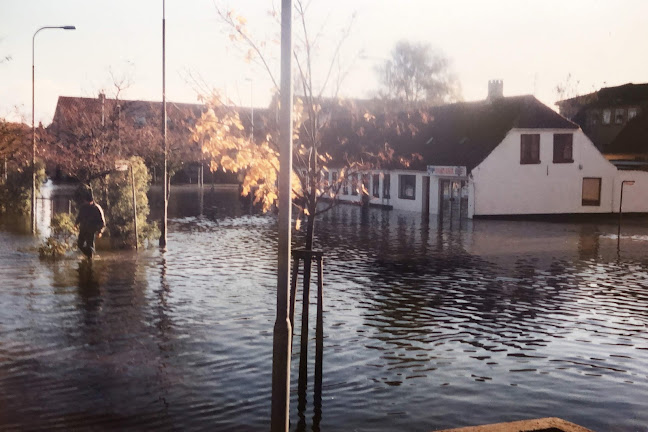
495 90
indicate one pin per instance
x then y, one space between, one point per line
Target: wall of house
635 197
500 185
394 199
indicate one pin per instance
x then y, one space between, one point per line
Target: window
354 184
407 186
632 113
592 191
593 118
345 186
375 185
334 183
387 186
606 116
619 115
563 148
530 149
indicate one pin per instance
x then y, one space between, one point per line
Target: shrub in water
61 239
113 192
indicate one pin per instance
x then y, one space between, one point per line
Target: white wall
394 201
635 197
501 185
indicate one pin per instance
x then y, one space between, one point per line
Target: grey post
281 345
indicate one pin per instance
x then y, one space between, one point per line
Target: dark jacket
91 218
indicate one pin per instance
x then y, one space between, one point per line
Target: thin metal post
134 207
319 343
165 187
293 293
282 328
33 162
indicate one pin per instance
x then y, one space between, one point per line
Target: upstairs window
345 186
563 148
407 186
619 115
530 149
387 186
632 113
375 185
607 114
593 118
591 191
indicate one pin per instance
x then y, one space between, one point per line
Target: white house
500 157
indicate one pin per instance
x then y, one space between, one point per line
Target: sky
531 45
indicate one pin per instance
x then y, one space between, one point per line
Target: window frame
591 203
345 185
375 185
386 189
402 185
559 148
524 143
606 116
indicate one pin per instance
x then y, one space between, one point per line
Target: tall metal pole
33 162
165 192
282 329
132 173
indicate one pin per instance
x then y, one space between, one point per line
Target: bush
61 239
15 193
113 192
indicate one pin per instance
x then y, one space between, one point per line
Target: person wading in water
91 221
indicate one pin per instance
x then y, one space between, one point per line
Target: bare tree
415 74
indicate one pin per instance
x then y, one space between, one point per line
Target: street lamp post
279 420
33 164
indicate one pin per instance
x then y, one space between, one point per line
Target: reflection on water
426 325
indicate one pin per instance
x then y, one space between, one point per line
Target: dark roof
611 96
462 134
633 138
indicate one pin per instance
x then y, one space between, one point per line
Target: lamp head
68 28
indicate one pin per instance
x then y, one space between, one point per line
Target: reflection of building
504 156
616 120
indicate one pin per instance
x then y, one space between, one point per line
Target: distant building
616 120
138 124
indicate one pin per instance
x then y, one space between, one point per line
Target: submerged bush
62 237
113 192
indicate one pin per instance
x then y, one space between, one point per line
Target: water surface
427 325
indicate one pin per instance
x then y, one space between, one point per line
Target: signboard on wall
446 171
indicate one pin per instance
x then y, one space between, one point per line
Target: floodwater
426 325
